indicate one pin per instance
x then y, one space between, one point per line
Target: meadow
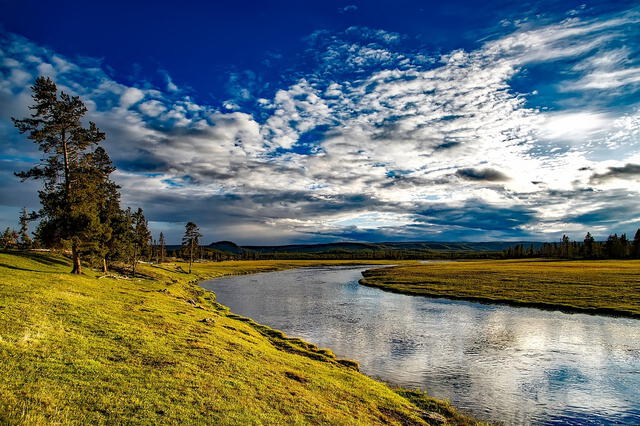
159 349
593 286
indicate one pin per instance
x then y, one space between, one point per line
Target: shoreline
567 309
510 283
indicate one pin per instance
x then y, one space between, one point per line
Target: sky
279 122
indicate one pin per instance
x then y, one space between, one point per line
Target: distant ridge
418 245
487 246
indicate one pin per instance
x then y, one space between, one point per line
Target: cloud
370 138
487 174
574 126
348 8
628 171
131 96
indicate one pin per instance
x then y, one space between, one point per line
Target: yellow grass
595 286
89 350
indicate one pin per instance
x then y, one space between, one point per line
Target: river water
498 363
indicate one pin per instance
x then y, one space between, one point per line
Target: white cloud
152 108
131 96
574 126
395 135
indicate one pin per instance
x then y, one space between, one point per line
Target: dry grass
596 286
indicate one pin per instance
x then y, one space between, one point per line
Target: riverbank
159 349
610 287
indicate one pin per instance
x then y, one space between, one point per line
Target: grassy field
595 286
159 349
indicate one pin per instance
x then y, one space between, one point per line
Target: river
498 363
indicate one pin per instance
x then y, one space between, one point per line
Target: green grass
89 350
594 286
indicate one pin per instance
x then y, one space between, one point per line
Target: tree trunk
135 260
104 265
67 180
77 268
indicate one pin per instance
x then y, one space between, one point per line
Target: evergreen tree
635 245
588 245
68 213
25 238
611 246
623 248
565 247
141 237
162 249
119 245
191 241
9 238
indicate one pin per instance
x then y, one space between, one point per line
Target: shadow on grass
4 265
45 259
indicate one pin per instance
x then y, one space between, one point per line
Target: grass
594 286
159 349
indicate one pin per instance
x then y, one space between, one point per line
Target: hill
159 349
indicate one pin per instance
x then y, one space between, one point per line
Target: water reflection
517 365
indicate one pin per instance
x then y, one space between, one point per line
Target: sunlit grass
597 286
87 350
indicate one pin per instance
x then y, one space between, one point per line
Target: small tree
119 245
9 238
191 241
25 239
635 245
141 237
162 250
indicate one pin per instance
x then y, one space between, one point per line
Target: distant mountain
226 246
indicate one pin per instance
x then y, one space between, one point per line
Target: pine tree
119 245
67 212
623 248
25 239
141 237
191 240
588 245
565 247
635 245
9 238
163 248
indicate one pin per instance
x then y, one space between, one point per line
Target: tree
141 237
612 246
623 248
588 245
119 244
162 250
635 245
565 250
68 214
25 238
191 240
9 238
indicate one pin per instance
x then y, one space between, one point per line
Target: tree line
614 247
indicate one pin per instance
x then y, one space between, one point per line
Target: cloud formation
373 139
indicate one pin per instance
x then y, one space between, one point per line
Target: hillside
89 349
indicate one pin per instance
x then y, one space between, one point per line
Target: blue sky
296 122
